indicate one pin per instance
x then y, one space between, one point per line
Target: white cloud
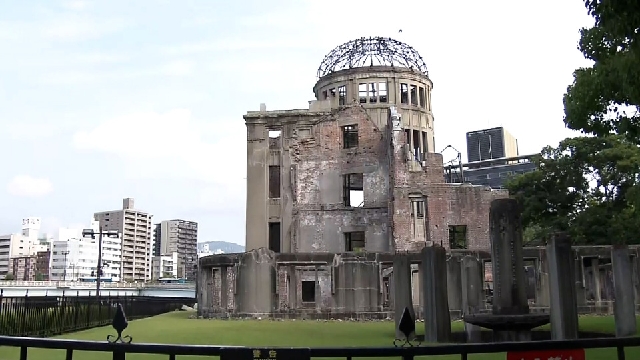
173 145
81 29
178 68
28 186
76 5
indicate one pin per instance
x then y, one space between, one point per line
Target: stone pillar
581 293
437 320
317 291
624 308
542 288
256 282
293 288
595 275
205 291
454 284
509 293
257 182
224 289
636 278
564 307
472 294
402 290
357 286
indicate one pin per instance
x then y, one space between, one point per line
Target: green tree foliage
604 98
587 186
9 277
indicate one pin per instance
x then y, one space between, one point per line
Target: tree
9 277
587 186
39 277
604 98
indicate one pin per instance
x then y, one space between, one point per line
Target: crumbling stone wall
445 204
320 163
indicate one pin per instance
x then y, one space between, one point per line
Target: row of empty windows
354 241
377 92
413 94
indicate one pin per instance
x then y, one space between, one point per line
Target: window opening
373 94
274 182
325 96
424 144
350 136
362 92
353 191
417 208
404 93
342 95
416 145
308 291
332 91
274 237
422 98
458 236
382 92
274 133
414 95
354 241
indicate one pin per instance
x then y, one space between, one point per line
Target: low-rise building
43 265
23 268
164 266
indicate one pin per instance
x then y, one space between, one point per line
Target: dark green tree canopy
589 186
604 98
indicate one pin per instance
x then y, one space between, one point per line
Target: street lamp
92 234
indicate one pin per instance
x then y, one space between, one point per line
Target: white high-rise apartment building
74 256
135 227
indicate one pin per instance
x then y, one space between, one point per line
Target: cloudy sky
101 100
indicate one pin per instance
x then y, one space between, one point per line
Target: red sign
575 354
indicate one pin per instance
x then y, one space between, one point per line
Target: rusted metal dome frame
372 51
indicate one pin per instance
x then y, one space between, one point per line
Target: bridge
74 288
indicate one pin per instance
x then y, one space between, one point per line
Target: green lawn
177 328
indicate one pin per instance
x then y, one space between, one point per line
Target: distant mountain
221 247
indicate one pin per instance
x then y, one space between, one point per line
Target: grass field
177 328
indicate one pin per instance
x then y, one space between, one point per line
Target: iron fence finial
119 323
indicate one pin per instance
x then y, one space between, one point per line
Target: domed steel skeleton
373 51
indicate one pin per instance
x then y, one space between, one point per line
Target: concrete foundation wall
351 286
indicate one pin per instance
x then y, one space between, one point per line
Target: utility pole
99 270
64 272
92 234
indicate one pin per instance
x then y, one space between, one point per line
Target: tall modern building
489 144
181 237
135 227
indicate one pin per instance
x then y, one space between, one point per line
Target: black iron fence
120 344
120 350
43 316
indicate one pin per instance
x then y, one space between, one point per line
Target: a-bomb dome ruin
336 191
372 51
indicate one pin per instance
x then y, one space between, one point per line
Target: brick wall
445 205
320 161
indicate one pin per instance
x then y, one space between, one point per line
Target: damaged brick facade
353 177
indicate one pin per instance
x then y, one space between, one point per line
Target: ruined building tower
336 190
337 178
